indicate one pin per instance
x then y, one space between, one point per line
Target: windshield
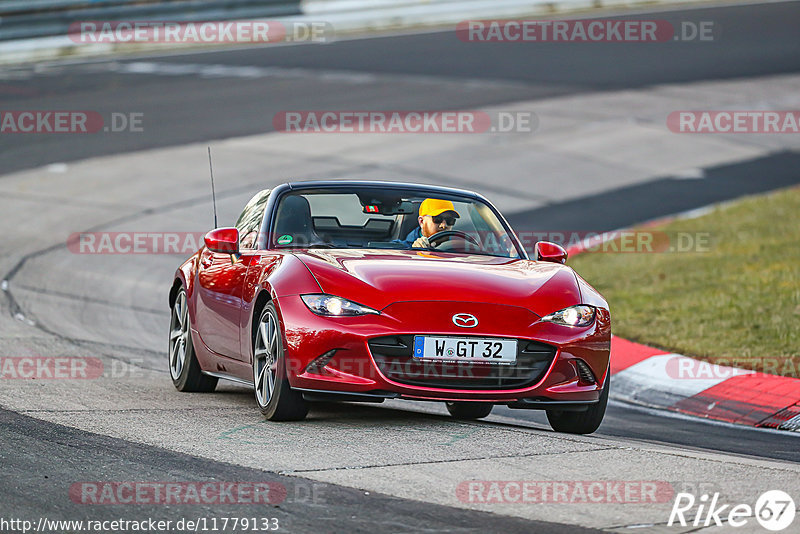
386 219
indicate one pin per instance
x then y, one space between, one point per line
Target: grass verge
732 298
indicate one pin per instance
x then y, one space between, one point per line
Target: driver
435 216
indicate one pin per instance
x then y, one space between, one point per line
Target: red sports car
365 291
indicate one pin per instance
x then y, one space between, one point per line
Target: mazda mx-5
366 291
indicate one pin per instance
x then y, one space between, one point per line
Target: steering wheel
444 235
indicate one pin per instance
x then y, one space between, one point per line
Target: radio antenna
213 195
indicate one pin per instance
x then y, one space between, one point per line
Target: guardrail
23 19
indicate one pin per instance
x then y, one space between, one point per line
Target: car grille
394 357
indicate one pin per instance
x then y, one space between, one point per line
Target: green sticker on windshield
285 239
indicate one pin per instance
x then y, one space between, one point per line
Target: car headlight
580 315
333 306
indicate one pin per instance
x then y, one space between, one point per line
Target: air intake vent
393 355
318 364
585 372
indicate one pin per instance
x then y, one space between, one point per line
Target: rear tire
469 410
581 422
184 369
275 397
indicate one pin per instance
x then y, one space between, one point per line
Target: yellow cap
434 207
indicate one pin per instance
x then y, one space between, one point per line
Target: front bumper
351 354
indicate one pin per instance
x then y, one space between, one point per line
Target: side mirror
547 251
224 240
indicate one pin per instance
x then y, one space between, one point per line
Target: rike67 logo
774 510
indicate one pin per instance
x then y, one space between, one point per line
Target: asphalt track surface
34 488
183 109
191 109
644 425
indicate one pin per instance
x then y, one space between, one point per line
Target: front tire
184 369
274 396
469 410
581 422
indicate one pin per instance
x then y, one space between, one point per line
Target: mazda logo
465 320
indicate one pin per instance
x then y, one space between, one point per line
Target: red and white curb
659 379
652 377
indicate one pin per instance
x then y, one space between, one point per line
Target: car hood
378 279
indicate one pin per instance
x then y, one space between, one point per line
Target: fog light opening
317 365
585 374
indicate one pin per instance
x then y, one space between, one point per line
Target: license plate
486 350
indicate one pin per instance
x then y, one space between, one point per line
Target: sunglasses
438 219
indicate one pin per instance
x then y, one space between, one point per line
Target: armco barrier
24 19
